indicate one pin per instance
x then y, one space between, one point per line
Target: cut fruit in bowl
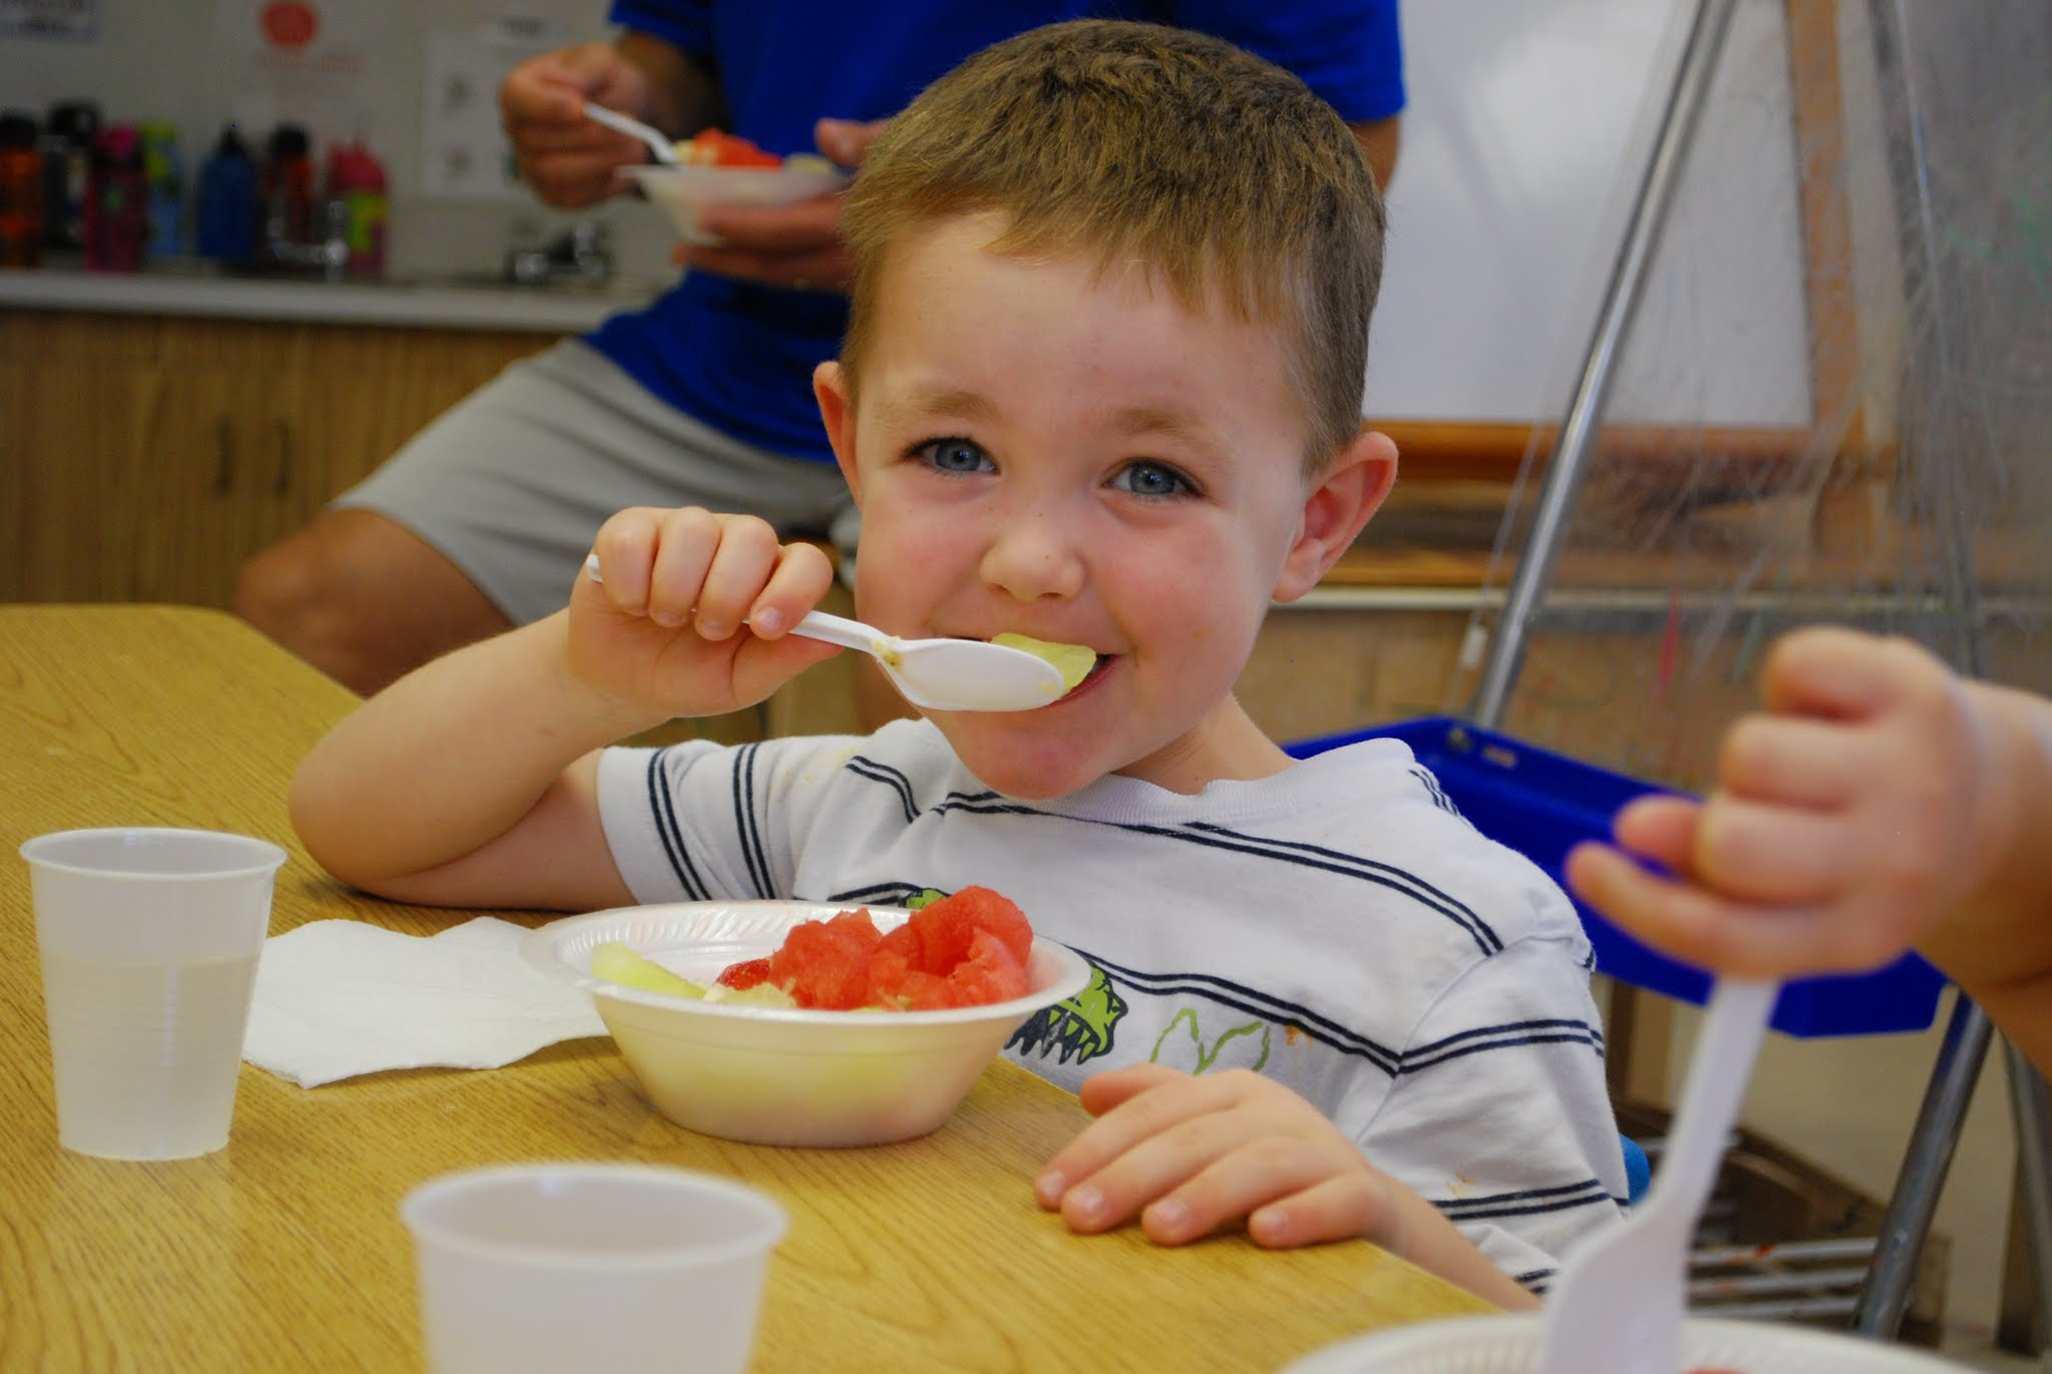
776 1075
682 191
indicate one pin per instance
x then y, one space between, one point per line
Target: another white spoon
658 142
938 674
1616 1307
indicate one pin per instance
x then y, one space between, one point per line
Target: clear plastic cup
526 1268
149 941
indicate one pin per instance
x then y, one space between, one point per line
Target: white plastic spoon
1616 1307
664 149
938 674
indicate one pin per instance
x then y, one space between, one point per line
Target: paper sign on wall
464 154
49 18
310 62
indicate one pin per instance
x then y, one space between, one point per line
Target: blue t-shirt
738 356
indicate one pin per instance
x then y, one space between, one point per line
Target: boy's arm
472 781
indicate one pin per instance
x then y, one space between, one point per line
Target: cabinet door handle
283 484
224 470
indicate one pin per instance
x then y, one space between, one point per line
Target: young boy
1878 801
1101 386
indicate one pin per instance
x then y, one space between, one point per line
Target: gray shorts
512 482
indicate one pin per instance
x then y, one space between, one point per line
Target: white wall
1527 130
1526 136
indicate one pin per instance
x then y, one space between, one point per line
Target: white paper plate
1510 1344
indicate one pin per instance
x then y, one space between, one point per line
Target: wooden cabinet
142 458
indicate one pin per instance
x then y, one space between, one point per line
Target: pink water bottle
117 202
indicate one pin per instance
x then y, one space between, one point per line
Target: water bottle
227 215
21 192
164 174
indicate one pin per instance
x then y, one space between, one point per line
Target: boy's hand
691 617
796 245
1846 819
1193 1154
567 159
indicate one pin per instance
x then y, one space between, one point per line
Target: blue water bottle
227 219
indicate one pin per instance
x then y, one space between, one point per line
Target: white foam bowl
775 1076
681 191
1510 1345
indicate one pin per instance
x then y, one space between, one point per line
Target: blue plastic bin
1542 804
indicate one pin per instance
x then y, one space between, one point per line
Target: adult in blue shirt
704 397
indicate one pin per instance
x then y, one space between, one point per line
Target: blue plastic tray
1542 804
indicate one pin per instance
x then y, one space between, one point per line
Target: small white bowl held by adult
937 674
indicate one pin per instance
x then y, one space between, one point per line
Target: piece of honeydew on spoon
1072 661
939 674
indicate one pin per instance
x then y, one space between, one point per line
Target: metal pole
2031 1111
1886 1294
1577 438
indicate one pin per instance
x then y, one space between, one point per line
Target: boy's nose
1032 557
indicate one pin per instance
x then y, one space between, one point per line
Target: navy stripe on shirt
745 827
863 766
1528 1202
668 831
1301 855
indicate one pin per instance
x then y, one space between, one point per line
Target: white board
1525 138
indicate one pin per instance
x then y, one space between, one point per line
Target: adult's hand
796 245
567 159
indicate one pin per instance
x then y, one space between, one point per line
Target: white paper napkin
339 998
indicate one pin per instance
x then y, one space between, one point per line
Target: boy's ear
837 413
1345 495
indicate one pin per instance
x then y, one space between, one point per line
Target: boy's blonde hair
1129 141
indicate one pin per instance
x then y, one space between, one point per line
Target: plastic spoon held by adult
658 142
937 674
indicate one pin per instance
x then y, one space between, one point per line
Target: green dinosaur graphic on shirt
1080 1028
1206 1057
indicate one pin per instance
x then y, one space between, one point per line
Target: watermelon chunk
969 949
947 927
746 974
989 974
825 964
718 148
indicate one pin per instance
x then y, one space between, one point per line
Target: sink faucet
329 256
583 252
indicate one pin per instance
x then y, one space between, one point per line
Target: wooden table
285 1252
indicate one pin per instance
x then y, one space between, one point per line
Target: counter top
426 303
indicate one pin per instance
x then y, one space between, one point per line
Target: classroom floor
1848 1105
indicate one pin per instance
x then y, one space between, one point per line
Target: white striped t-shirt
1337 927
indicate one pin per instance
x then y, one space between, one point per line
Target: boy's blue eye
1153 479
955 455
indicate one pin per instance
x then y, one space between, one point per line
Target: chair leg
2031 1111
1885 1295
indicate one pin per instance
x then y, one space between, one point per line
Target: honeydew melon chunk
617 962
1072 661
761 995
